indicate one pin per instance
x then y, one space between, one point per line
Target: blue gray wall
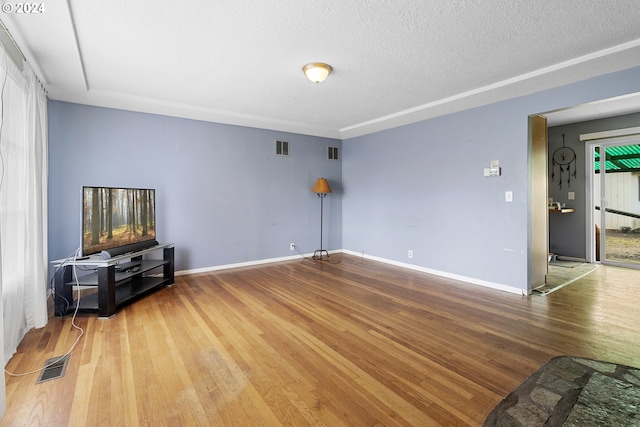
421 186
223 196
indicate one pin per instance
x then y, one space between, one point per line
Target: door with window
616 200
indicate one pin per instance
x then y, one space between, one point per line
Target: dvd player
125 266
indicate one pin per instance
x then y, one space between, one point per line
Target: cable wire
73 323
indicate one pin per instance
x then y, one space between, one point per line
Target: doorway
614 190
538 230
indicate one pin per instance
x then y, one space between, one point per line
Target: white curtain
23 203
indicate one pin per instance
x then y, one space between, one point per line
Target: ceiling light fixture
316 71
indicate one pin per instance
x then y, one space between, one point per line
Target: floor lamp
321 188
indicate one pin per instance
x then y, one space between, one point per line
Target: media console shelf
119 280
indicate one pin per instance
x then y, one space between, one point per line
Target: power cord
299 253
52 289
73 318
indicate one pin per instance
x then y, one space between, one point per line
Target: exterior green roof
624 158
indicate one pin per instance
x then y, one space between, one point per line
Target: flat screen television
117 220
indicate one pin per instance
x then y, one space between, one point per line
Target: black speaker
133 247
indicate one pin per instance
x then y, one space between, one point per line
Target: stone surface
572 391
544 397
599 366
633 376
606 401
528 414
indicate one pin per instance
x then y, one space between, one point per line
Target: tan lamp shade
321 186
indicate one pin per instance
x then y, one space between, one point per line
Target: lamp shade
321 186
316 71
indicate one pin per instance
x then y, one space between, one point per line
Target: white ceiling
395 61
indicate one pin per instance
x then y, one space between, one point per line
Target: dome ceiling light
316 71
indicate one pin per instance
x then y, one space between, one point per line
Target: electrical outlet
292 246
410 253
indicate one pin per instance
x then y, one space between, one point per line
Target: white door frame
612 137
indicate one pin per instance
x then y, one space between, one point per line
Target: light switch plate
508 196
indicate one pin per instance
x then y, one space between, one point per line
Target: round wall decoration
563 158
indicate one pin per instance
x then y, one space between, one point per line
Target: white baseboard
470 280
570 258
466 279
248 263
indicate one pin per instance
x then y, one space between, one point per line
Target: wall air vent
282 148
333 153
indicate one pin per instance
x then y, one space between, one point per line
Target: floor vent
54 369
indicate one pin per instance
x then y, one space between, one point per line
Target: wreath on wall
563 159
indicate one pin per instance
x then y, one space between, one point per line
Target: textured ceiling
394 61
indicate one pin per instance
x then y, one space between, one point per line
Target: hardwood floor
344 342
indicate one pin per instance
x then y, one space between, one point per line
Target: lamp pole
321 188
321 250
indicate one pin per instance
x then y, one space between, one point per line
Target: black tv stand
119 280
